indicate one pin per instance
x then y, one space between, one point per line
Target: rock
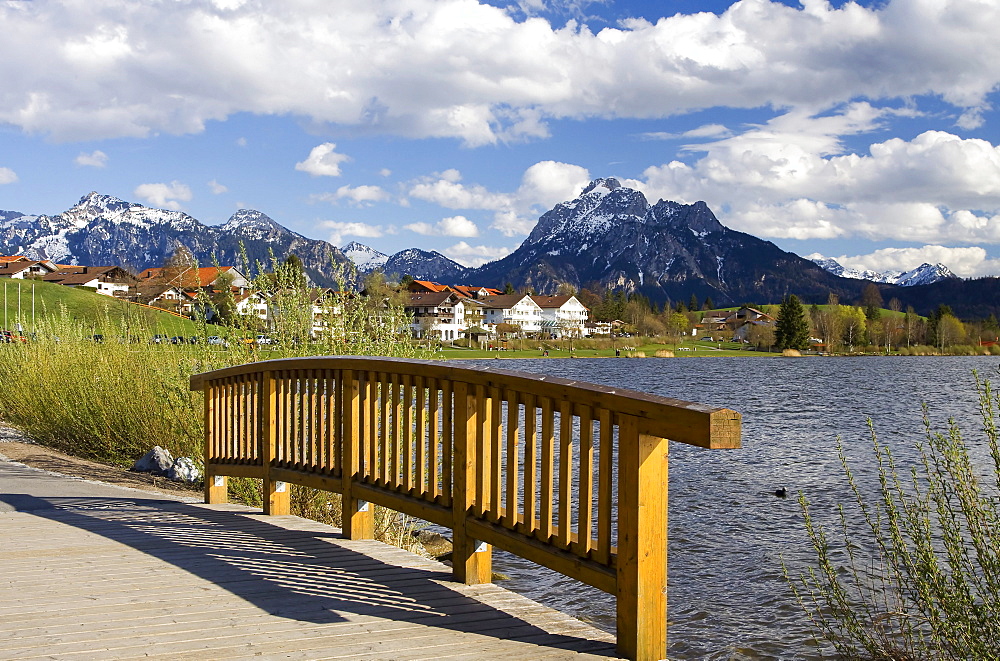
157 461
184 470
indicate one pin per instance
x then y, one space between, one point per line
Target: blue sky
866 132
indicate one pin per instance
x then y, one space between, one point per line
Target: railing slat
496 465
544 531
585 488
511 464
447 441
386 424
420 425
565 473
605 477
530 468
407 442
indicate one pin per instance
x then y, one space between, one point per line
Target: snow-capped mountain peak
365 258
924 274
253 224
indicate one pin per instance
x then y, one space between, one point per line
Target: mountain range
924 274
610 236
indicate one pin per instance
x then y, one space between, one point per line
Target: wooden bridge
569 475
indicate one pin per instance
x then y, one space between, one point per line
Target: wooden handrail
567 474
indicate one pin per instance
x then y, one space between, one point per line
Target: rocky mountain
612 237
419 264
425 265
924 274
104 230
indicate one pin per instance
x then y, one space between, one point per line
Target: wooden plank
276 496
605 476
447 441
585 488
215 492
420 429
512 464
530 465
434 439
642 544
565 474
386 425
544 531
471 564
407 438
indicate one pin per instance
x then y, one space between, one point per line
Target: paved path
93 571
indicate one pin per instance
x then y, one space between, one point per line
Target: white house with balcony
516 309
440 315
562 316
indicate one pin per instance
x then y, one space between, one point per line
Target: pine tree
792 331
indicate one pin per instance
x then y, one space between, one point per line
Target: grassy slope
101 314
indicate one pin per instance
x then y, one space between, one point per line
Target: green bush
931 587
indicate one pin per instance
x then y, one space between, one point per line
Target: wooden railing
570 475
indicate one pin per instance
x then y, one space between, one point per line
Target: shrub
932 586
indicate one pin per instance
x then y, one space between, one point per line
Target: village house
205 278
107 280
518 310
441 315
21 268
562 316
741 321
165 296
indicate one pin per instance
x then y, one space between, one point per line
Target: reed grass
930 588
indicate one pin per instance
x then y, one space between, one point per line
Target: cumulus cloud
358 196
469 70
793 178
543 185
217 188
452 226
338 230
95 159
7 176
164 196
967 262
323 161
474 256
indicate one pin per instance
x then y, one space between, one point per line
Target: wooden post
216 489
471 559
358 515
642 543
275 494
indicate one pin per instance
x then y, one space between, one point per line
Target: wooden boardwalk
124 575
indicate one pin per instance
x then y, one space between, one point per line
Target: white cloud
241 142
7 176
95 159
967 262
358 196
164 196
473 256
793 178
217 188
323 161
452 226
384 172
338 230
469 70
543 185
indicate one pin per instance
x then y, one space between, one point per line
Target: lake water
728 532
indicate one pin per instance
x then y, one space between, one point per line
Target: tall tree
792 329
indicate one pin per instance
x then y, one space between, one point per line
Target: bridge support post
358 516
276 494
471 560
642 543
216 489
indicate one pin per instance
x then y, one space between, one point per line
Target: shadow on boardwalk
304 571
